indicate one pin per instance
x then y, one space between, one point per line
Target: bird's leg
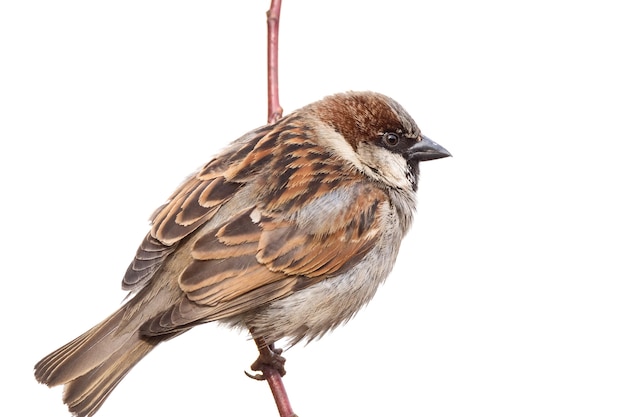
269 357
271 367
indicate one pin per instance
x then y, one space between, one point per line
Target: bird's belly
311 312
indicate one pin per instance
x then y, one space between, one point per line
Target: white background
508 298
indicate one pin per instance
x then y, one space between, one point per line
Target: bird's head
375 134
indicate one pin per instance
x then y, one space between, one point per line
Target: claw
257 377
269 356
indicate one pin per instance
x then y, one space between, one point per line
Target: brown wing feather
266 251
194 203
150 255
295 251
245 264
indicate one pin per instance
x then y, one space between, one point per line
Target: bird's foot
269 356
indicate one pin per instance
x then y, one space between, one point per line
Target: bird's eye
391 139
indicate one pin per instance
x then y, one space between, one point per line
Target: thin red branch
275 382
274 111
273 378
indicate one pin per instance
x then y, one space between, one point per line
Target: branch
274 111
270 363
275 382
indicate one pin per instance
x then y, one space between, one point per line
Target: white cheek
385 165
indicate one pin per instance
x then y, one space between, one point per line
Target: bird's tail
94 363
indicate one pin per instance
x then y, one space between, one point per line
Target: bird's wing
311 219
193 204
258 257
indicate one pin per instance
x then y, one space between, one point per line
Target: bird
286 233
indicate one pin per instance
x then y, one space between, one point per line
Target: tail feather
94 363
83 353
85 394
48 370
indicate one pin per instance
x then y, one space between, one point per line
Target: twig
274 111
272 376
278 391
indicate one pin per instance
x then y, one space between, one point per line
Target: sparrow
286 234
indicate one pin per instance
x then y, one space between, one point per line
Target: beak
426 150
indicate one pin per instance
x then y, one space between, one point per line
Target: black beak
426 150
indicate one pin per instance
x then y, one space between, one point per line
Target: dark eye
391 139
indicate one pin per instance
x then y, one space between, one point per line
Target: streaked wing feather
194 203
245 264
188 313
312 220
149 257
